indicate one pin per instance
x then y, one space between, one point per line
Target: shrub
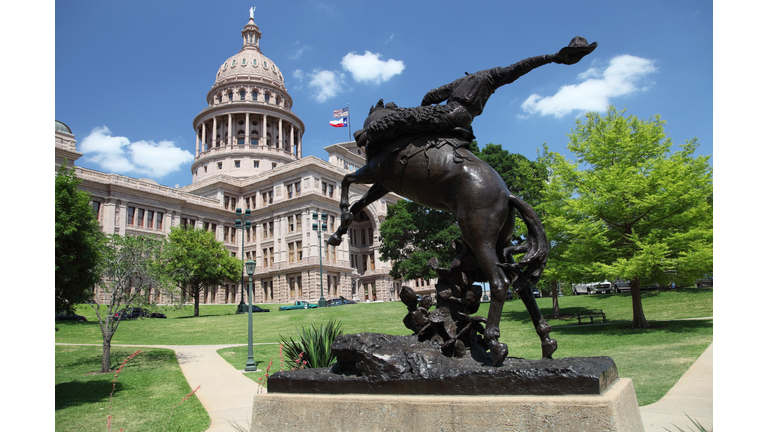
312 349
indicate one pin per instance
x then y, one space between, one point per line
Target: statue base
615 410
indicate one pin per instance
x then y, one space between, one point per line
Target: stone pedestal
615 409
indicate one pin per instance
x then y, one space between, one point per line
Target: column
292 149
280 134
263 129
214 140
205 144
230 141
121 209
247 128
197 144
109 217
299 146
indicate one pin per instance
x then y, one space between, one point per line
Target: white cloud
368 68
326 84
299 51
392 36
620 78
119 155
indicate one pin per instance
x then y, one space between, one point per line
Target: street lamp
250 267
238 224
320 226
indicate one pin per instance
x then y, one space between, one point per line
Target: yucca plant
699 427
312 348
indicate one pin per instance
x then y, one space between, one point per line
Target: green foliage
129 268
313 345
78 242
628 207
699 426
412 234
194 259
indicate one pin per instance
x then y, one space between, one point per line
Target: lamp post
320 226
242 226
250 266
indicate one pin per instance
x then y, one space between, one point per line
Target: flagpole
349 123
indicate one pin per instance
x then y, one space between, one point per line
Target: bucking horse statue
422 153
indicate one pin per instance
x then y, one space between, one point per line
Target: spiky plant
312 348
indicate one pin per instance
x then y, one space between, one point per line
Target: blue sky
134 74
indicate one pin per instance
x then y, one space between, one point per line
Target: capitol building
248 155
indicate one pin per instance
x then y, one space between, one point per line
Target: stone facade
248 155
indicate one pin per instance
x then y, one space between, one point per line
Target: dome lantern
251 35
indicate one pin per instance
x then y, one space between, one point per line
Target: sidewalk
691 395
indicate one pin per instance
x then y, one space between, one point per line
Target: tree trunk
638 317
105 355
555 290
197 303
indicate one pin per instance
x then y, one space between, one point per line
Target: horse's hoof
548 347
334 240
499 352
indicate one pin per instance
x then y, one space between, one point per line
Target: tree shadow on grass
623 328
74 393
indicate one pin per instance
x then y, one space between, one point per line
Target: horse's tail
536 247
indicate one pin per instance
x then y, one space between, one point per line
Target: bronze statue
422 154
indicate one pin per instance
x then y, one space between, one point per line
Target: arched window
266 97
254 95
242 94
231 96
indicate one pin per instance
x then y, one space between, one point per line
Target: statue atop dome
253 9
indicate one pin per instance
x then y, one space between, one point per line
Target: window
298 251
271 229
298 222
354 237
150 219
232 203
325 188
230 93
266 97
254 94
331 222
362 236
290 223
365 262
205 169
290 252
226 232
159 224
242 92
264 230
184 222
274 165
298 188
266 198
255 164
373 261
129 215
271 257
219 164
289 190
232 235
226 201
248 234
266 257
237 162
330 191
140 218
370 235
213 228
96 208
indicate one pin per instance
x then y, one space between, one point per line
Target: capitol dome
248 126
250 62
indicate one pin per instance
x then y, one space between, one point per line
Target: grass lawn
147 390
655 358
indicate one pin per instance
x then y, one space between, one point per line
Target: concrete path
691 395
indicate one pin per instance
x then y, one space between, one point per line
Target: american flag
344 112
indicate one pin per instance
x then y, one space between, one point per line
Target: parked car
61 316
340 302
602 287
258 309
301 304
136 312
536 292
620 286
704 283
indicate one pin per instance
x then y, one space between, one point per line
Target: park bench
591 314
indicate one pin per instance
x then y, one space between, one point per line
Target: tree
78 242
628 207
129 267
413 234
194 259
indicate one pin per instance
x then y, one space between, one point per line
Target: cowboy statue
465 98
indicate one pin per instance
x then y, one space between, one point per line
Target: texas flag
342 122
